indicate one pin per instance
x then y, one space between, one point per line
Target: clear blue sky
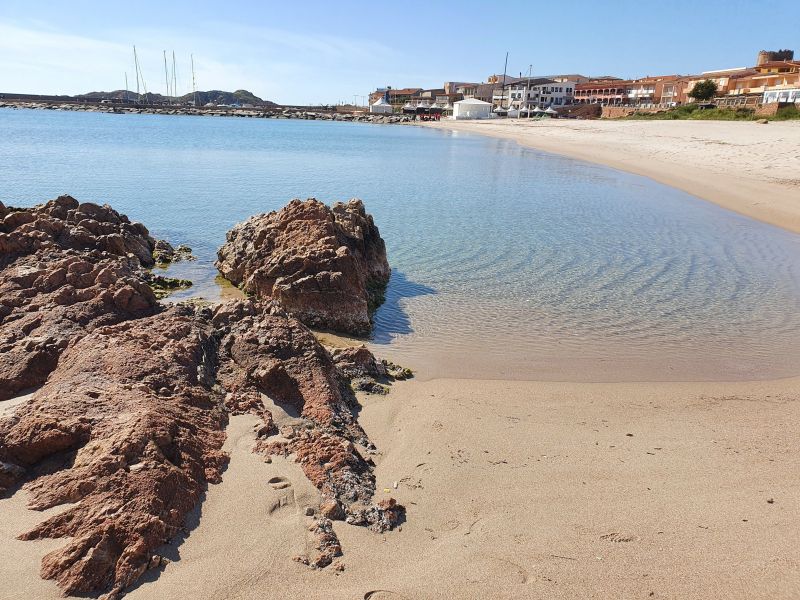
328 51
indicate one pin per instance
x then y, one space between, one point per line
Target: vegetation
693 111
703 90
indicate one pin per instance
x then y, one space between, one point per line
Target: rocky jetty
65 269
213 111
127 429
325 265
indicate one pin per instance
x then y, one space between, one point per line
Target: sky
327 52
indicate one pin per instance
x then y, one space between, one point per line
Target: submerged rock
164 253
327 266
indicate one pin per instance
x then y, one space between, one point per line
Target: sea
507 262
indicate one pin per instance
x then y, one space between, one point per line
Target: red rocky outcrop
129 424
129 428
327 266
263 350
65 269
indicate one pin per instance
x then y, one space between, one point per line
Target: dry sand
743 166
514 490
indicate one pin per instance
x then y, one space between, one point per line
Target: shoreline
744 167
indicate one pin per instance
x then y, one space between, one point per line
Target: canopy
550 111
537 110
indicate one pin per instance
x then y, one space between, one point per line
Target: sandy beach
514 490
743 166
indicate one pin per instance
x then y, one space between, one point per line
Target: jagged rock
327 544
66 224
263 350
327 266
163 286
357 361
164 253
383 516
396 371
131 430
365 373
65 269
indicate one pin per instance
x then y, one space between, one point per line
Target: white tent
550 111
472 108
381 106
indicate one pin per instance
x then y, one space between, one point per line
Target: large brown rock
65 269
129 424
327 266
128 428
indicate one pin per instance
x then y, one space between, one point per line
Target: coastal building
472 108
725 80
457 87
397 97
524 94
649 91
766 56
467 90
608 91
573 77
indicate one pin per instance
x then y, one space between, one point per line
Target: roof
473 101
533 81
405 92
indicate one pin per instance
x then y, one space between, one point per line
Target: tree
703 90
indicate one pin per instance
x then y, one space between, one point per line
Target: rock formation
129 428
65 269
129 424
327 266
265 351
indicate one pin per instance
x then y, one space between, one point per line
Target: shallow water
507 262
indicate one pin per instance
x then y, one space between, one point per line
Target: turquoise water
507 262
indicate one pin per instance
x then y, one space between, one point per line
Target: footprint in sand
279 483
383 595
618 537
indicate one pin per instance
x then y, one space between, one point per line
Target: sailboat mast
194 86
136 68
126 87
174 76
503 89
166 74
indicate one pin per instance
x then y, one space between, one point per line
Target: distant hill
203 98
220 97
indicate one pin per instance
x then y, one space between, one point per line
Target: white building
472 108
526 94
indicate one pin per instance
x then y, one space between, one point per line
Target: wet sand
742 166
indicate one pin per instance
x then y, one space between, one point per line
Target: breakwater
271 112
